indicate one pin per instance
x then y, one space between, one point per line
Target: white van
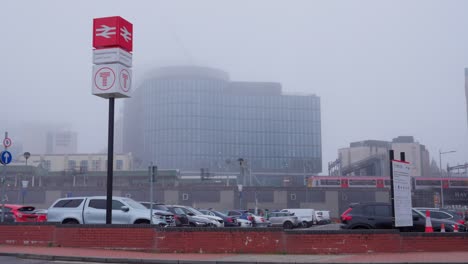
322 217
306 216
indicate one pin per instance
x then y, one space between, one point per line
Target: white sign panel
112 80
402 193
112 55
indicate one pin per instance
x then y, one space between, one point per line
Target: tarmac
123 256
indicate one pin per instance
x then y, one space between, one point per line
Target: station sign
111 32
111 81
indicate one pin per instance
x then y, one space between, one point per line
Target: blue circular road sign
5 157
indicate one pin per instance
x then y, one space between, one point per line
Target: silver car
284 219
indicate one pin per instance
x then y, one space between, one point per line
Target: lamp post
26 156
442 176
239 188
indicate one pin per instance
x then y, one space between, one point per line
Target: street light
239 188
26 156
442 175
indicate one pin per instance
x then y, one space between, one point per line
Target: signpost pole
110 162
392 195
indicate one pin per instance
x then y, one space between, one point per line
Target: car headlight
158 216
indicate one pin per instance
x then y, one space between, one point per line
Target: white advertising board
402 193
111 81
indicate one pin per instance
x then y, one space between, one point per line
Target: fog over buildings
381 69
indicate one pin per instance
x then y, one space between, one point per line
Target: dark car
8 216
229 221
187 218
379 216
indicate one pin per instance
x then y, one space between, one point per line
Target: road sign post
112 77
5 159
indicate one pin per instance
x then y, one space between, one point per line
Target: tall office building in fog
194 117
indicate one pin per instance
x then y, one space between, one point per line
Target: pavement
122 256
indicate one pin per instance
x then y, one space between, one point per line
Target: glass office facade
191 119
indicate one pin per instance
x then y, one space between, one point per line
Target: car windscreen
134 204
26 209
219 214
194 211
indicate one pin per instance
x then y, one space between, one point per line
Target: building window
47 164
71 164
119 165
96 165
83 166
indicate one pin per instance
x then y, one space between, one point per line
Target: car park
284 219
375 215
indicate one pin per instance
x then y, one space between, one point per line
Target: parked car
216 220
92 210
322 217
260 221
228 221
306 216
241 214
8 216
374 215
41 215
244 223
284 219
192 219
161 209
181 219
438 213
23 213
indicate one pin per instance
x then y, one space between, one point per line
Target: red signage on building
109 32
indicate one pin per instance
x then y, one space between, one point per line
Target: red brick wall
230 241
103 236
188 240
28 235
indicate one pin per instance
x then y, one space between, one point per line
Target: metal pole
392 196
110 161
2 192
150 172
441 180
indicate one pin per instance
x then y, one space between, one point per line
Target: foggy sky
382 68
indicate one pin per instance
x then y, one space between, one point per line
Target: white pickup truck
92 210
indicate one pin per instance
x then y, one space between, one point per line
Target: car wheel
305 224
288 225
70 222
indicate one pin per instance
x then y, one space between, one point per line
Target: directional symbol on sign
5 157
